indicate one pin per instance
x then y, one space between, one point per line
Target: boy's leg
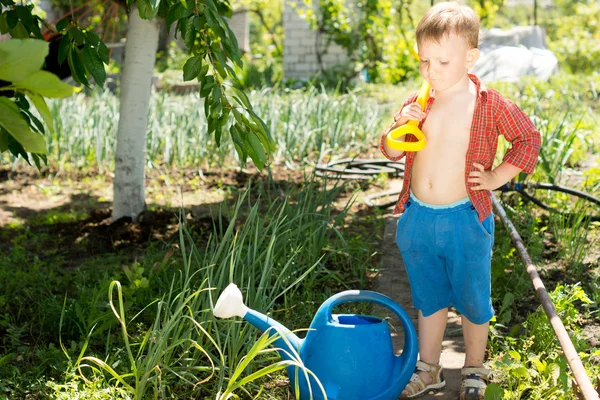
476 337
431 335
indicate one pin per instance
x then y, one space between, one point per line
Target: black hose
357 168
564 189
365 169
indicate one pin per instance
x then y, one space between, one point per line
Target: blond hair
446 18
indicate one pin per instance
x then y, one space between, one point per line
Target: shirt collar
482 91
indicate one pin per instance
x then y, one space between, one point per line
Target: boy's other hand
482 179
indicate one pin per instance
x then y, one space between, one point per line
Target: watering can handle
355 296
324 314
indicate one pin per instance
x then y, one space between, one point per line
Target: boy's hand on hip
482 179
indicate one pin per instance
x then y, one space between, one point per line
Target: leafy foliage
575 37
210 43
532 365
21 131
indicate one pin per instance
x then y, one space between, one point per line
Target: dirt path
393 281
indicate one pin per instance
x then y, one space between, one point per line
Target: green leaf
42 107
238 143
192 68
24 14
4 138
199 22
220 64
155 5
28 21
77 35
520 372
188 32
219 130
176 12
94 65
37 123
242 97
494 392
211 124
258 149
104 53
514 354
217 95
19 31
92 39
207 84
233 52
21 58
63 24
17 127
45 84
203 72
3 24
36 160
77 67
146 10
63 49
12 19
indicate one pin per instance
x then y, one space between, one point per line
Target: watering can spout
231 304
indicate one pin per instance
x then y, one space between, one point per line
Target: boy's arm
391 154
517 128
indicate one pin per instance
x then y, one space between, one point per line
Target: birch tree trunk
136 87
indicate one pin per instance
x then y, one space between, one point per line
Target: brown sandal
416 387
474 383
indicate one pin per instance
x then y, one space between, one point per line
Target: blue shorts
447 252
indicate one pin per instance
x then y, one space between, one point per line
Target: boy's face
445 63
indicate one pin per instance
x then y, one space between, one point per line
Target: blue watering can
351 355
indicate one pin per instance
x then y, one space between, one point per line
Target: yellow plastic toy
411 127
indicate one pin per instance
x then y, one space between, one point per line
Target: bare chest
448 131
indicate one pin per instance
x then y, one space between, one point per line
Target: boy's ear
472 57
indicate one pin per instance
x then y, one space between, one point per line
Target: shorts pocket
403 231
487 226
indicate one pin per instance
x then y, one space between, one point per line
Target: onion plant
303 123
275 253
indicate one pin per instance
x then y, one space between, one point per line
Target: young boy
446 231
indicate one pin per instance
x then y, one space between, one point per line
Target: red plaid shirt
493 116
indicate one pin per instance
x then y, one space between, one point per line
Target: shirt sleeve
408 101
518 129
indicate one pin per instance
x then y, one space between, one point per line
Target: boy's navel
430 183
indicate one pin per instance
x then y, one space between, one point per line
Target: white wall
299 56
240 26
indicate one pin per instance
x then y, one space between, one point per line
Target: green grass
279 250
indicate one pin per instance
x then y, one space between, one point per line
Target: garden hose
520 187
367 169
359 168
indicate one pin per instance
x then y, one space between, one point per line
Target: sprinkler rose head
230 303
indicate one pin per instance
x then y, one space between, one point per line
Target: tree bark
136 88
